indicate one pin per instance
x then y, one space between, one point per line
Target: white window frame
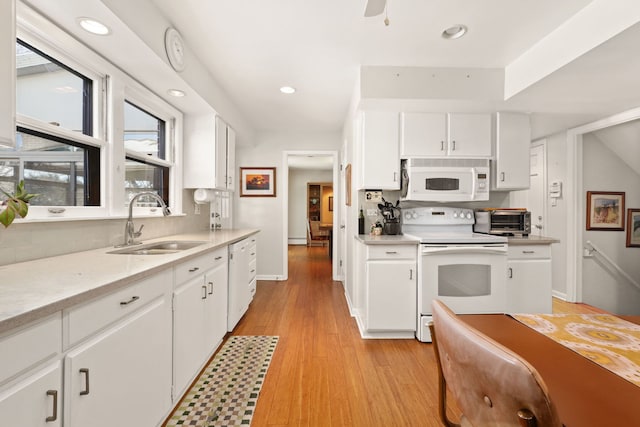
111 86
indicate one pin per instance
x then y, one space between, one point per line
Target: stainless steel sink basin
158 248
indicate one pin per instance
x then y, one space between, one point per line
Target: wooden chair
492 385
316 236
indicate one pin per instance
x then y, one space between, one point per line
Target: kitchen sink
158 248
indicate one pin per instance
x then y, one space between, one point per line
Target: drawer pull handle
411 274
253 253
528 252
85 371
510 273
391 252
194 269
204 293
253 271
218 257
210 288
133 299
54 415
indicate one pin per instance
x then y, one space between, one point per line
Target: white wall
298 179
605 171
266 213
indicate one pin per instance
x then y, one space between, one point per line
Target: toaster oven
505 222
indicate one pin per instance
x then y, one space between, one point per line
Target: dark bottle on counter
361 222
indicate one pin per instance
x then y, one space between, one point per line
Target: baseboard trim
270 277
297 241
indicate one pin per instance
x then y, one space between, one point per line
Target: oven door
468 278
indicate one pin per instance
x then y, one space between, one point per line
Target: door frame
285 207
575 197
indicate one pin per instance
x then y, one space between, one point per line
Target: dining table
585 393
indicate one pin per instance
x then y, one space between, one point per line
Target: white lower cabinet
34 401
122 376
199 316
390 288
529 287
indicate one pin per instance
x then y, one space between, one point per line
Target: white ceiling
252 47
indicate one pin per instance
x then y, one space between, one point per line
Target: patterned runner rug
227 391
607 340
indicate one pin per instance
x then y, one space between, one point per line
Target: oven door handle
463 250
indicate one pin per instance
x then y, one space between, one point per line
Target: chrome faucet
130 235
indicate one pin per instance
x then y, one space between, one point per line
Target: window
51 153
145 145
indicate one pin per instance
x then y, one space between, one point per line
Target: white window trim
110 86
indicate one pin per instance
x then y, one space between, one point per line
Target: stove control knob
469 215
407 215
414 215
455 214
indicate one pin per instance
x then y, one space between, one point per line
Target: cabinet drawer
252 270
199 265
89 318
529 252
22 349
391 251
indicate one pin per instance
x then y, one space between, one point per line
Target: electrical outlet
373 196
372 212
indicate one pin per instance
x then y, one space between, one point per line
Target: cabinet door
423 134
231 159
216 307
221 154
513 140
35 401
380 151
391 295
7 74
189 350
123 376
529 286
470 135
239 295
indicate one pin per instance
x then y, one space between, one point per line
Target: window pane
143 132
47 90
9 175
54 169
141 177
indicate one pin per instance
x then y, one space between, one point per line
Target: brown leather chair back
492 385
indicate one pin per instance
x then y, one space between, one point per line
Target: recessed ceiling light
454 32
287 90
93 26
176 92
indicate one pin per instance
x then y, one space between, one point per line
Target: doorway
301 169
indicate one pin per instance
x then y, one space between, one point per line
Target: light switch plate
373 196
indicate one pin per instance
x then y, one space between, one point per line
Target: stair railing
594 250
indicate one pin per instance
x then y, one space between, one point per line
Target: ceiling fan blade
374 7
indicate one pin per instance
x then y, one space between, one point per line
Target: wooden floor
323 373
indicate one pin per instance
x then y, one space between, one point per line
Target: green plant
15 205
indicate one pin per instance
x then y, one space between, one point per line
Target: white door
35 401
537 190
123 376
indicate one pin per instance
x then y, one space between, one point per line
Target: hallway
323 373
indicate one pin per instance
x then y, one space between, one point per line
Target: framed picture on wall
633 228
257 182
605 210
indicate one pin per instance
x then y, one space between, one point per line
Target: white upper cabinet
7 74
446 135
511 167
423 134
209 153
469 135
379 148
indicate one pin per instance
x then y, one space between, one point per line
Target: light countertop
34 289
385 239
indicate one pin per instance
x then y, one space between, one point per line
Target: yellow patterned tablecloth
609 341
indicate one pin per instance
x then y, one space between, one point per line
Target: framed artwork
347 178
257 182
330 203
605 210
633 228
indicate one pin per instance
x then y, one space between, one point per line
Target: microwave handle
474 183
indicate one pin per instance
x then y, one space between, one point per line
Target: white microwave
445 180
